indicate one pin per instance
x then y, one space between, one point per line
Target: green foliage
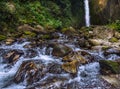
2 37
7 17
115 25
53 13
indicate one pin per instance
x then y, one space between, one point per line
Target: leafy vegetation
53 13
115 25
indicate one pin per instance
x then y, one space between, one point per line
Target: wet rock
12 56
9 41
87 56
27 72
113 80
82 56
83 43
60 50
72 61
71 67
54 68
109 67
112 51
75 56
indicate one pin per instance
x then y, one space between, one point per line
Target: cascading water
87 13
87 75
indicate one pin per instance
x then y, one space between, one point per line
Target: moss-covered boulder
109 67
113 39
28 34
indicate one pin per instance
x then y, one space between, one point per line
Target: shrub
115 25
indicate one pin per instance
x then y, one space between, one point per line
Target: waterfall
87 13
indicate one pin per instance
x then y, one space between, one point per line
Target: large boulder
71 67
82 56
109 67
72 61
28 72
59 50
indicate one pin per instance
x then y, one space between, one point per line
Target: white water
87 13
7 74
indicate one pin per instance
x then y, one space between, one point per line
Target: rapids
87 75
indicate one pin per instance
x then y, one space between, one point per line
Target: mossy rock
69 30
2 37
29 34
46 37
105 47
113 39
109 67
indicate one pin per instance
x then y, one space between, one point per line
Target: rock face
104 10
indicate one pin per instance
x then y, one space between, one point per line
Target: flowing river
87 75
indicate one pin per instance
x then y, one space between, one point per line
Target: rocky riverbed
88 58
